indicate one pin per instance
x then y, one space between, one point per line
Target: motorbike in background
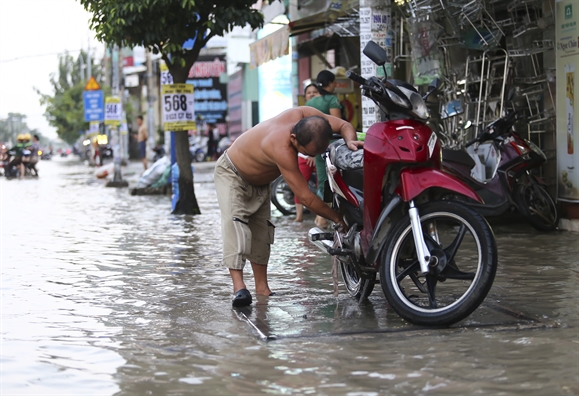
436 258
282 195
198 148
497 164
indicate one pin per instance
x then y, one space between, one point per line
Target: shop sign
210 96
567 53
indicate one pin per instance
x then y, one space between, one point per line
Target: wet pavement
107 293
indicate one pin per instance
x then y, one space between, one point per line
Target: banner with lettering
567 53
210 93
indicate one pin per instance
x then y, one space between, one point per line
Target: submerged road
107 293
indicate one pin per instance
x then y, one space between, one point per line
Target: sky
32 34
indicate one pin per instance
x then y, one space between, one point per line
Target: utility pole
118 178
150 99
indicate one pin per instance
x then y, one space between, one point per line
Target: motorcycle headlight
418 106
536 149
397 99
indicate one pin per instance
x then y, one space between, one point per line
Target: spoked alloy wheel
462 268
537 206
282 196
355 284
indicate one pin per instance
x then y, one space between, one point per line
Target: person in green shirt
17 152
327 103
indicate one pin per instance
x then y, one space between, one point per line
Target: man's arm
295 180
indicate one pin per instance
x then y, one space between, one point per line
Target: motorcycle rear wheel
354 283
282 197
465 252
535 203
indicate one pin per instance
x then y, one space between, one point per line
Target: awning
270 47
336 12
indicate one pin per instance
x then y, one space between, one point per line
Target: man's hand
341 226
311 161
354 144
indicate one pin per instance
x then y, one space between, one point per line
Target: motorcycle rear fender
413 181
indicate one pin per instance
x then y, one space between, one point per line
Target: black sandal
242 298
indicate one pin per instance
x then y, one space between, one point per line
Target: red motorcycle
436 258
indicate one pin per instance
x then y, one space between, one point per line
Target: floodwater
104 293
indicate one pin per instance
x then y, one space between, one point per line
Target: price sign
113 111
93 127
166 77
178 112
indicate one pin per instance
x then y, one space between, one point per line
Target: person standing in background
327 103
142 137
305 162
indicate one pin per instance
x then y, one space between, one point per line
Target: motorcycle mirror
434 85
467 125
511 94
376 53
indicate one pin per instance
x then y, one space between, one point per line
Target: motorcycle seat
458 156
344 158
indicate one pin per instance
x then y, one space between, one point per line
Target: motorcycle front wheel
462 268
535 203
282 197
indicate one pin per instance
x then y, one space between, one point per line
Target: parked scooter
437 259
497 165
198 148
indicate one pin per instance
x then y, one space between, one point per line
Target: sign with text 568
113 110
178 112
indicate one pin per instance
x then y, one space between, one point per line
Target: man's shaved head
313 129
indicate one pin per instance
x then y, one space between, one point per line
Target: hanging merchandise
427 59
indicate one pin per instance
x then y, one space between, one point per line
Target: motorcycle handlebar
359 79
473 141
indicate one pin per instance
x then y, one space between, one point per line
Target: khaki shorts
245 212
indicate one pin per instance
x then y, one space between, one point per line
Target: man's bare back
261 153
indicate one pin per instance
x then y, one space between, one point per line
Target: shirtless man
242 180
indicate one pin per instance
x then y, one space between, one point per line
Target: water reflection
107 293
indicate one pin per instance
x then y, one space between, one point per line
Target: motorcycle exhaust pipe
323 240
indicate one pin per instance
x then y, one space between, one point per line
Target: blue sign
94 109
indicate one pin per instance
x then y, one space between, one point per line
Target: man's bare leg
260 275
299 213
237 277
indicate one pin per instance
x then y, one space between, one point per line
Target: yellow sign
178 112
92 85
113 111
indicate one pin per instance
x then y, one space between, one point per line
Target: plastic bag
154 173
